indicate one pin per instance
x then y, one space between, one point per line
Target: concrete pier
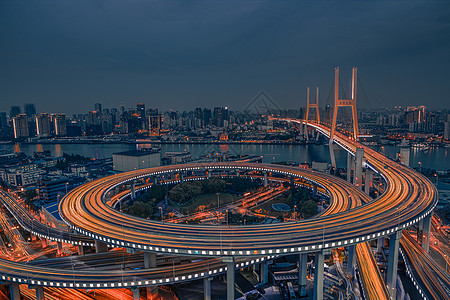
207 288
100 247
359 155
318 276
14 291
391 277
149 260
229 260
302 268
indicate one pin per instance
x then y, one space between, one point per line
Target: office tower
198 116
3 120
219 115
152 112
60 124
43 125
15 110
98 107
447 128
20 125
155 123
140 110
115 115
107 122
29 110
206 117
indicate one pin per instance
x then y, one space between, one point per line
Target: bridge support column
136 294
80 250
39 293
332 157
14 291
380 245
100 247
314 189
351 260
265 179
264 271
368 181
358 167
209 173
59 248
426 233
349 167
149 260
133 190
318 276
44 242
181 177
155 180
230 276
419 232
306 132
302 268
391 279
207 288
292 182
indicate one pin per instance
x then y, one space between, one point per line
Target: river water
433 158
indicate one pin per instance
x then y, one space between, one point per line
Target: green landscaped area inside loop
267 209
206 201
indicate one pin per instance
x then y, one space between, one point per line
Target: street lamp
420 167
295 217
161 210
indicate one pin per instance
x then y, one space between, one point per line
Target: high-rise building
60 124
140 110
20 125
43 125
447 128
152 111
3 120
98 107
15 110
29 109
206 117
219 115
155 123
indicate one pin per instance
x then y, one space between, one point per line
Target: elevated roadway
409 198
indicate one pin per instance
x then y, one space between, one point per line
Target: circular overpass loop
408 198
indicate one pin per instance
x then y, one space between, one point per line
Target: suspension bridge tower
343 103
309 106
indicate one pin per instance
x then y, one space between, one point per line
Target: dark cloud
66 55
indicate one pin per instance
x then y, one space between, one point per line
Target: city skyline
224 149
217 53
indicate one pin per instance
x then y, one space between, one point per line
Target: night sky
66 55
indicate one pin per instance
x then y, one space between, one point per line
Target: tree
240 185
139 209
308 208
210 186
185 191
